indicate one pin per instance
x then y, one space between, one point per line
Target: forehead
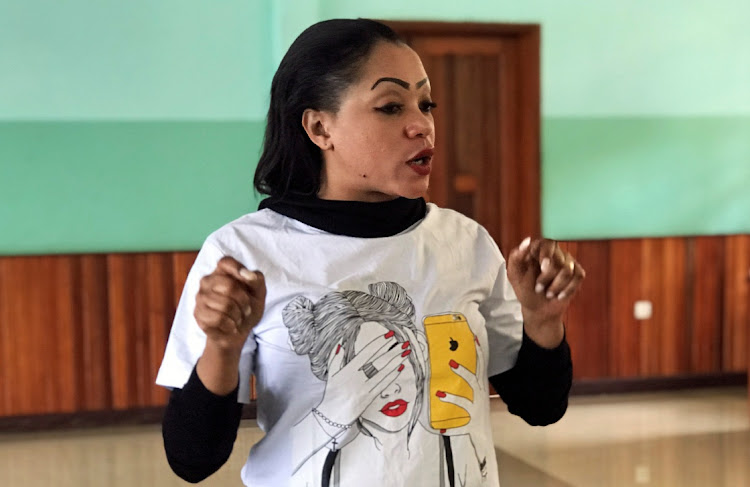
392 60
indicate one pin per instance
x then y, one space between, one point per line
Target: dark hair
320 64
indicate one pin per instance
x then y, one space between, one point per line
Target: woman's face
384 122
392 408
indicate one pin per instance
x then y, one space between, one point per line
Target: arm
201 419
199 429
537 387
544 280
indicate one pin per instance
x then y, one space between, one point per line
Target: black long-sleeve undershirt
200 428
537 387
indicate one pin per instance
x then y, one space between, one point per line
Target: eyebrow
399 82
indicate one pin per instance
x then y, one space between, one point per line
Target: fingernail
405 345
476 339
524 244
406 353
453 364
443 431
440 394
338 349
390 334
544 264
248 275
550 295
539 288
401 367
248 311
561 295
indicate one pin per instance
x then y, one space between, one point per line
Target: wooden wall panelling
736 319
587 322
664 275
141 302
123 291
7 357
625 288
92 333
182 262
705 301
161 312
37 334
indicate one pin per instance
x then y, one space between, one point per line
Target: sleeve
537 387
199 429
503 322
187 341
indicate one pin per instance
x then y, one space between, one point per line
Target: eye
427 106
391 108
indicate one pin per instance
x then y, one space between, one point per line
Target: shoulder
244 230
454 226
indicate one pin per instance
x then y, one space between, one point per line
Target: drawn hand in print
373 381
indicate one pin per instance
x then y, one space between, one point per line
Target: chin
414 193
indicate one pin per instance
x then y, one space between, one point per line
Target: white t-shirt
371 351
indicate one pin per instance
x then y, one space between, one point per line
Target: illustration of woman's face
393 407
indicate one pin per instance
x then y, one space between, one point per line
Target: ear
316 123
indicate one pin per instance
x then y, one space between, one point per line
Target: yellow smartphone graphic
449 338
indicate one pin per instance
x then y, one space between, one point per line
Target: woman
346 160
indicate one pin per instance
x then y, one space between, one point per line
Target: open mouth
420 161
422 158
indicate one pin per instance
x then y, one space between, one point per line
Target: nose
420 126
393 389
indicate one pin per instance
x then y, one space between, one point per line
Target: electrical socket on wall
642 310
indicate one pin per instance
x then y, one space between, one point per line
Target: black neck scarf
350 218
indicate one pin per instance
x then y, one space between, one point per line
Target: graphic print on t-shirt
451 343
376 363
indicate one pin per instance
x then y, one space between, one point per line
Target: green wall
136 126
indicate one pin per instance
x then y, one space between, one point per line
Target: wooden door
485 79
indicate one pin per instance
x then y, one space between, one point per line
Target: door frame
520 175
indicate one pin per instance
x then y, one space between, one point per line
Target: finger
519 257
374 348
258 293
564 276
551 259
229 266
572 288
213 322
334 365
464 373
402 350
381 381
459 401
224 305
232 267
230 287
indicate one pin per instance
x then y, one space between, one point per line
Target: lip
395 408
426 168
427 152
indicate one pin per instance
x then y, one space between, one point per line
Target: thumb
519 260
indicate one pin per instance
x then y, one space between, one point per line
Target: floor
691 438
